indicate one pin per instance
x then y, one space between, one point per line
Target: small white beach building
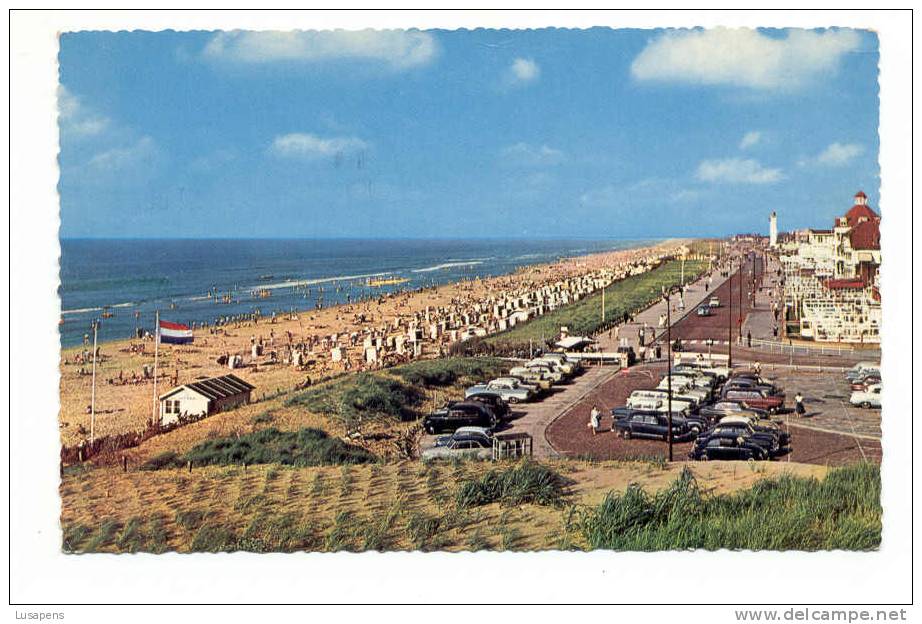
204 397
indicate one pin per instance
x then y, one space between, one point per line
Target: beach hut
204 397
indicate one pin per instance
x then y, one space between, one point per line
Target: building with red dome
832 290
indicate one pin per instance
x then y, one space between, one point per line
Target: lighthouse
773 229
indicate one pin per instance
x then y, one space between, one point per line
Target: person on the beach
594 419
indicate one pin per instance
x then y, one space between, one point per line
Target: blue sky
545 133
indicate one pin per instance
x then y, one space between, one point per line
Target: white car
714 302
866 398
549 372
658 401
508 389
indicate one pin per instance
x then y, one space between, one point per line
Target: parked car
696 424
568 366
769 440
463 414
532 377
748 382
704 311
493 400
702 378
542 368
465 446
658 401
867 398
508 389
862 368
759 424
865 381
566 371
754 397
718 410
714 302
482 432
727 446
651 425
512 379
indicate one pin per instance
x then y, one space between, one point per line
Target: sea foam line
447 265
321 280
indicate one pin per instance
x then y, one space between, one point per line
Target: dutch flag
174 333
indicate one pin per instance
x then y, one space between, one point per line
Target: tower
773 229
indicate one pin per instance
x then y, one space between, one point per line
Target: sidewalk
695 294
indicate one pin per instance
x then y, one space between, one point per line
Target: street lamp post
739 320
730 318
666 294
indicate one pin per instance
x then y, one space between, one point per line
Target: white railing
775 346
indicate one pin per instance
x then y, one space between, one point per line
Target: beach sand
128 407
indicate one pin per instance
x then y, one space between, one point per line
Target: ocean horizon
199 280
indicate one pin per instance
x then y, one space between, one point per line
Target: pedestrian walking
594 419
748 338
757 367
799 404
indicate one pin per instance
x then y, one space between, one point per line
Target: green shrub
361 397
421 529
782 513
446 371
307 447
74 535
169 459
191 519
104 535
527 482
214 538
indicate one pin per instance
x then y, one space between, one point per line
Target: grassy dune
584 317
565 504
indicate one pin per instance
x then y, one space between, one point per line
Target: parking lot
831 432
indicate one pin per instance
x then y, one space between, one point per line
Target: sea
122 283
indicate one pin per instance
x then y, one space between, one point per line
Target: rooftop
216 387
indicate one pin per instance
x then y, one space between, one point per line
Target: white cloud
399 49
750 139
124 157
737 170
523 71
836 155
532 155
744 57
310 146
643 191
76 120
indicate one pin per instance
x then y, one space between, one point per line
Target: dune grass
841 511
527 482
307 447
402 506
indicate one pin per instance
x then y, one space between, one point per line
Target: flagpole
156 420
93 391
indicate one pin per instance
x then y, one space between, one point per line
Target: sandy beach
125 398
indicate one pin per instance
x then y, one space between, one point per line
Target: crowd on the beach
479 309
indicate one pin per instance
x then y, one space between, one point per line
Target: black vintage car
463 414
491 399
768 440
643 424
727 446
696 424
